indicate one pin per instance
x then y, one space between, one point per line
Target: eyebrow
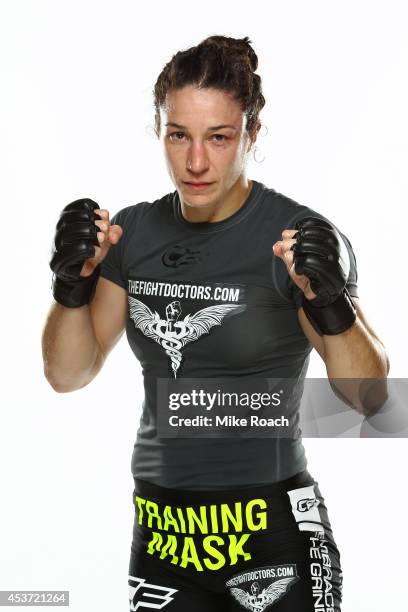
214 127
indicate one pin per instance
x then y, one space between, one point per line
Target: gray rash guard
163 259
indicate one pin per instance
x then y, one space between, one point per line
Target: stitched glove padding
320 254
74 243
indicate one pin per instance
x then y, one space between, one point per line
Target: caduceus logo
259 600
172 333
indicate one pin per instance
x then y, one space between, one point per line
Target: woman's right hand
83 237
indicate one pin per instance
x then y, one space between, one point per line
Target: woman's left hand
282 249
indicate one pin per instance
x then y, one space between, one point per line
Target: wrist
332 319
75 293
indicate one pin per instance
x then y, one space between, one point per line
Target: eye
174 136
224 138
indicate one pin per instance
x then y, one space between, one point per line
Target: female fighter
223 280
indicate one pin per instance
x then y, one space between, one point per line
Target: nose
197 159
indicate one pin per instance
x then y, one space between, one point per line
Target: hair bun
242 45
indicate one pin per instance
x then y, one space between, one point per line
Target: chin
195 202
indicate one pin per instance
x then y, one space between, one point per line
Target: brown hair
218 62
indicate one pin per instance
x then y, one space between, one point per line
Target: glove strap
75 293
332 319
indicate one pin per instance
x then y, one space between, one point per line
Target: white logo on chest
171 333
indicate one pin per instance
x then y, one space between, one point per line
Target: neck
222 207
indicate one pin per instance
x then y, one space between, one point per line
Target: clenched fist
318 262
82 239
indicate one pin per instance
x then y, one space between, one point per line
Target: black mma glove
75 241
320 254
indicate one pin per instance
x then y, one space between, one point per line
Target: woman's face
204 141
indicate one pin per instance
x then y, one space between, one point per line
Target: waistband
188 496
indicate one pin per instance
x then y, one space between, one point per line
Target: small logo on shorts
304 505
145 595
259 592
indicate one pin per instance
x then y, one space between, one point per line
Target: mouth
197 186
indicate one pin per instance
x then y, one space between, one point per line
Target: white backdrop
76 117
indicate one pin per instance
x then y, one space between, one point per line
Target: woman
223 279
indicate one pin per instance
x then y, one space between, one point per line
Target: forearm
357 366
71 354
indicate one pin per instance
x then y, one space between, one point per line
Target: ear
254 134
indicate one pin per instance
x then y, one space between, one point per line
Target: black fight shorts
261 548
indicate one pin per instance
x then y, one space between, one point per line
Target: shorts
267 547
